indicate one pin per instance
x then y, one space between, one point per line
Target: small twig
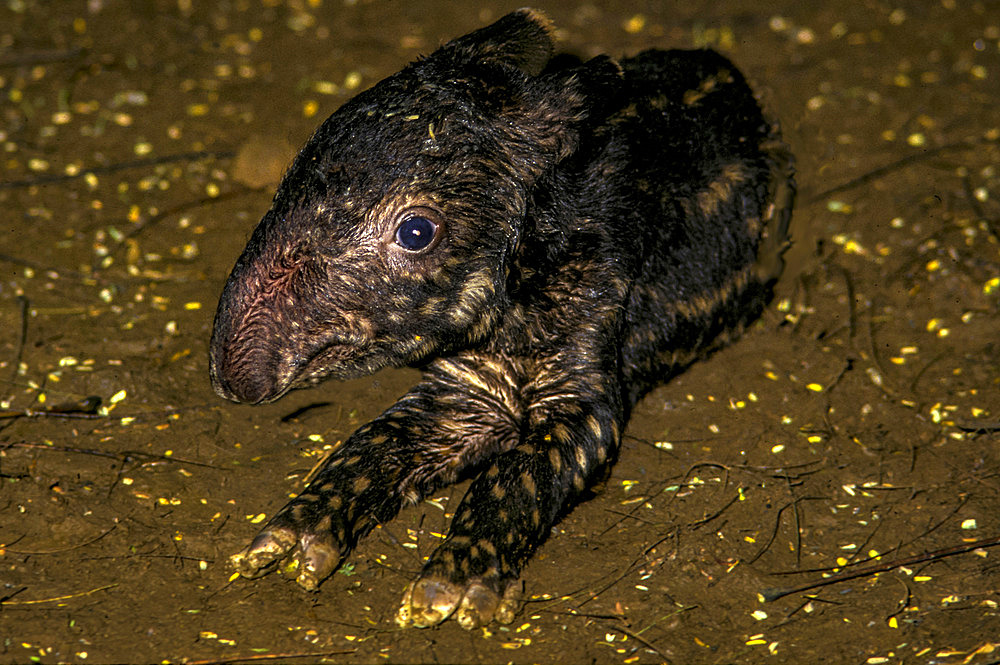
618 578
901 163
22 336
712 516
659 488
152 221
631 515
848 366
798 522
649 645
782 471
944 520
58 598
66 549
85 408
585 615
794 505
860 549
636 562
926 533
902 604
977 208
314 471
124 456
773 594
978 428
53 271
271 656
852 305
920 374
40 57
181 207
120 166
141 555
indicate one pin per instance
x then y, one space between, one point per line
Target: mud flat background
856 425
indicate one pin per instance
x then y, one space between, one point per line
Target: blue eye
416 233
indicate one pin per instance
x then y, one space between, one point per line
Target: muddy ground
855 425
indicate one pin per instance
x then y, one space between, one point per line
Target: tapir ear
559 106
520 39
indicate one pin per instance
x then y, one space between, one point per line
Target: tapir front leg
573 421
463 410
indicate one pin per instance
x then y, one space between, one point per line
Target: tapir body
546 239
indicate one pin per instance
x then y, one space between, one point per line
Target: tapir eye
417 230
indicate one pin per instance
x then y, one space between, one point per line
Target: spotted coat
546 239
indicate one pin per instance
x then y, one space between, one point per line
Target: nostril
222 389
248 388
250 378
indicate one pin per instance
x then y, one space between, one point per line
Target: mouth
263 375
330 360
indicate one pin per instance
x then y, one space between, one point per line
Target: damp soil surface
854 429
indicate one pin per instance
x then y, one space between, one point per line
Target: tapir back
709 170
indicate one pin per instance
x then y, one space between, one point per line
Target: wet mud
845 449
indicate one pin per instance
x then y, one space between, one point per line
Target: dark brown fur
591 228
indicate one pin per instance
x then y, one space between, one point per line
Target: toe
478 606
428 602
318 557
268 547
404 615
510 604
431 600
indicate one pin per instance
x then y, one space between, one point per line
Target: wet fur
603 224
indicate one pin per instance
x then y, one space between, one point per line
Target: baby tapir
547 239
